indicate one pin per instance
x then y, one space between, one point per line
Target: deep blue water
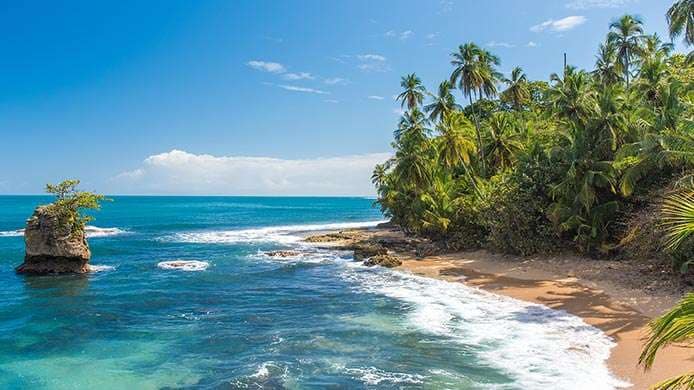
318 320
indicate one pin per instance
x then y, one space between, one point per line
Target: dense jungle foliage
532 166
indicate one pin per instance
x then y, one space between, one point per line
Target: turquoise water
317 320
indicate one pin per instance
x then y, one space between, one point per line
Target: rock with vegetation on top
55 237
53 247
388 261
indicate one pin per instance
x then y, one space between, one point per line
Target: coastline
599 292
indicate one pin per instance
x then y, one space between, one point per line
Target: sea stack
53 247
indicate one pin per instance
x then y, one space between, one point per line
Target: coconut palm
626 35
443 104
680 18
502 141
606 65
572 97
453 145
675 326
518 91
413 93
678 218
412 126
475 73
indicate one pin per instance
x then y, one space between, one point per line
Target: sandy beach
610 295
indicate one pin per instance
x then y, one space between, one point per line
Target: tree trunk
480 152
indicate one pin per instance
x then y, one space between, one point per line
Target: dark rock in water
52 247
281 253
365 250
383 260
428 249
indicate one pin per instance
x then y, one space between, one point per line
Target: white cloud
402 35
336 81
334 101
371 57
372 63
303 89
298 76
398 111
446 6
531 44
432 35
272 67
559 25
180 172
375 97
500 44
585 4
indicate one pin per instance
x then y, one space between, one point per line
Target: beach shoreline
599 292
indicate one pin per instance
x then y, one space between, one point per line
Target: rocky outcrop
383 260
282 253
364 250
53 247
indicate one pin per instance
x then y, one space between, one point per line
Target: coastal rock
335 236
282 253
184 265
364 250
52 247
383 260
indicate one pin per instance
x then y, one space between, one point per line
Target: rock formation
383 260
53 247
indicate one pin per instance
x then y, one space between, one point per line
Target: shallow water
249 321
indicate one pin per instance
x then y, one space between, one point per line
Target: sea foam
537 346
184 265
289 234
90 232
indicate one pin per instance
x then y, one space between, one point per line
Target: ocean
241 319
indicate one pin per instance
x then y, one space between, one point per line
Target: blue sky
249 97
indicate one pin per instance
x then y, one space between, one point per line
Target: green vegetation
532 166
675 326
69 204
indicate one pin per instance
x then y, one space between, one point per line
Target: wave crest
90 232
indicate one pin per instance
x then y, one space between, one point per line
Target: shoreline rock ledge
53 247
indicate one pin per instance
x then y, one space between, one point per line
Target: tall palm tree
518 91
412 127
626 34
443 104
675 326
413 93
606 65
474 73
680 18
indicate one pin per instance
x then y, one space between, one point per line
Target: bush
70 202
516 215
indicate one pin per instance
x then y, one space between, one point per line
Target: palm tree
443 104
675 326
572 97
412 127
680 18
453 146
606 65
518 92
626 34
413 93
502 141
678 218
474 72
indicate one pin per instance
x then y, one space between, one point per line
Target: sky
249 97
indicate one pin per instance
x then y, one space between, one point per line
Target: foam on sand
281 234
184 265
537 346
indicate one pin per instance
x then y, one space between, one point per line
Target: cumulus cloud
531 44
559 25
585 4
271 67
372 62
180 172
